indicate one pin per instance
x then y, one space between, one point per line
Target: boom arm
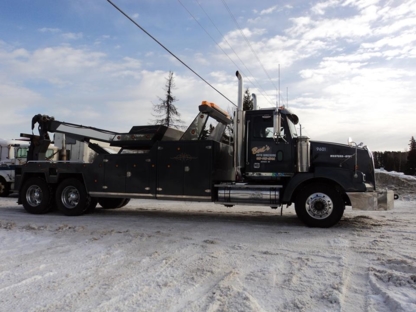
78 132
40 143
139 137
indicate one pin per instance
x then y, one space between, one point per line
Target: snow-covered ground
176 256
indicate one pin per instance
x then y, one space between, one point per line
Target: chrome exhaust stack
239 132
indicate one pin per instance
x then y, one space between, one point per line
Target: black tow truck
254 158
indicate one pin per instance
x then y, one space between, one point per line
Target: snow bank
176 256
401 184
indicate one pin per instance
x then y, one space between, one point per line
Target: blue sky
349 66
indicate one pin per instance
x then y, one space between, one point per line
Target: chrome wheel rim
34 195
319 206
70 197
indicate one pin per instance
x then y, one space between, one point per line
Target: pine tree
411 158
247 101
166 112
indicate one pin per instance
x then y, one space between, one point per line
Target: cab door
267 157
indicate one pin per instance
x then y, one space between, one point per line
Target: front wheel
319 205
71 197
36 196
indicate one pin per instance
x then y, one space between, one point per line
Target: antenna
279 87
287 97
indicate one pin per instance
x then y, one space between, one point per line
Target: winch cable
171 53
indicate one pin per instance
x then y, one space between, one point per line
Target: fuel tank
268 195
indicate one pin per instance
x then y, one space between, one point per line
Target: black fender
336 176
294 182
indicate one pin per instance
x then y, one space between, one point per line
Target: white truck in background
13 152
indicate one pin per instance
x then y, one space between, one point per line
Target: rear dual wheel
113 203
72 198
36 196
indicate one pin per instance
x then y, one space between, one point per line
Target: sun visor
293 118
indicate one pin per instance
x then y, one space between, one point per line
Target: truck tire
71 197
112 203
4 188
36 196
125 202
319 205
91 205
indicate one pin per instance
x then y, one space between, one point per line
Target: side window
21 152
263 128
50 153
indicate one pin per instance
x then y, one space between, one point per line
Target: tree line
398 161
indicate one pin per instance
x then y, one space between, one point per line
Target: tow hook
396 196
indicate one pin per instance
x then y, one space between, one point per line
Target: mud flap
382 200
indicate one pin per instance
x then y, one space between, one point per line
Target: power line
171 53
225 39
248 42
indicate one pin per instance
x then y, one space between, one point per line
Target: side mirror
277 125
278 132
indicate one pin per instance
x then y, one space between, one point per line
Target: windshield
204 127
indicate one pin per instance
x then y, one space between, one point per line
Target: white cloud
50 30
402 40
16 101
200 59
396 26
320 7
85 87
235 36
72 36
268 11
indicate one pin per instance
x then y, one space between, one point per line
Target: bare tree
166 112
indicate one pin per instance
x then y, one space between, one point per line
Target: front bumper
375 200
